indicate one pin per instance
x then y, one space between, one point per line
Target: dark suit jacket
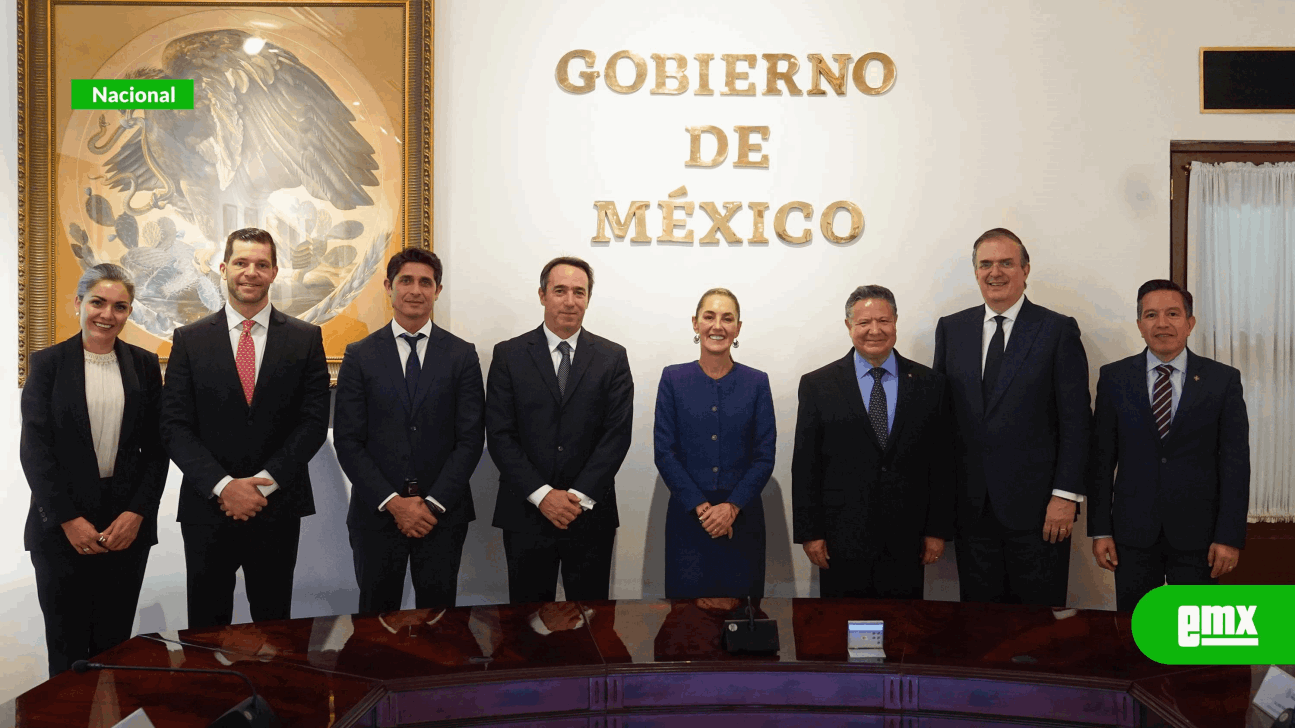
537 438
1195 482
210 431
382 437
57 449
845 488
1033 435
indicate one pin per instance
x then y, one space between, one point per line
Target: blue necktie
412 365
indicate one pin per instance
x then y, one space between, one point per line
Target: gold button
714 437
714 409
715 469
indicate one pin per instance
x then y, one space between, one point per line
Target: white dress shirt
259 333
402 353
586 503
990 326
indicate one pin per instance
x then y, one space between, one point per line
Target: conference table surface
411 667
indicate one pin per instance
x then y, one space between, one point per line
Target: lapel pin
1197 378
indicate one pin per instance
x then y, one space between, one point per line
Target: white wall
1050 119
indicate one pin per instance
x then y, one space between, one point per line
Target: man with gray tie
1170 464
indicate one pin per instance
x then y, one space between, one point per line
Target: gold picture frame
1200 78
340 172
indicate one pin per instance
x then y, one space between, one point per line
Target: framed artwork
308 122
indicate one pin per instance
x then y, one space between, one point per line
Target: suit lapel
131 387
1024 330
74 367
223 358
586 352
389 365
1191 393
275 346
848 380
539 348
432 364
1137 379
903 398
967 333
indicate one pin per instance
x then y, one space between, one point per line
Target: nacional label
133 93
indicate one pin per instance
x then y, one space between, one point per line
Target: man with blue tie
1170 464
871 480
408 431
1019 382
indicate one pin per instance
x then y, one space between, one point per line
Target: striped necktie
1162 400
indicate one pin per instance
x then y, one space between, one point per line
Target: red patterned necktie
245 360
1162 400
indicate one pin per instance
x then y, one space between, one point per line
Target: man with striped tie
1170 463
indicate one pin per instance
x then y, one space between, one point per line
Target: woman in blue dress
714 440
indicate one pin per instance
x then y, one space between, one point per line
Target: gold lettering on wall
732 75
587 78
758 209
670 223
829 217
861 73
620 227
640 72
745 147
780 223
773 75
720 223
721 146
818 71
703 74
680 76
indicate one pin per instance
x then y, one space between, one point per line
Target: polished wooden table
651 663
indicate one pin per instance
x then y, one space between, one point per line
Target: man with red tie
244 409
1170 464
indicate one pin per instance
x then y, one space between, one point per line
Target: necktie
412 365
1162 399
245 360
564 367
877 407
993 361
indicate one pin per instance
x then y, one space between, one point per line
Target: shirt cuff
438 508
586 503
539 494
1097 537
265 489
383 505
1068 495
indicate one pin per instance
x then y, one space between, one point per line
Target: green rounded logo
1217 625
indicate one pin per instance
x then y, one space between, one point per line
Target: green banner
1217 625
134 93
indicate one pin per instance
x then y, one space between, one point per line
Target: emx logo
1216 625
1225 626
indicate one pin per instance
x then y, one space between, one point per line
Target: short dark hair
1160 284
863 293
96 274
566 260
1000 234
250 235
415 255
719 292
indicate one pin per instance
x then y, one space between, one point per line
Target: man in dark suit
1019 383
559 404
408 433
244 409
1174 425
871 485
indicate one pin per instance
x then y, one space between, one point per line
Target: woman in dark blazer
96 467
714 436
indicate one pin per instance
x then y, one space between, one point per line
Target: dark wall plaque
1247 80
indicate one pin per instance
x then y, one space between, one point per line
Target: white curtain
1241 269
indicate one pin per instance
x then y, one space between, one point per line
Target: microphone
252 712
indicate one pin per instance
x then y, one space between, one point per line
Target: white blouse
106 400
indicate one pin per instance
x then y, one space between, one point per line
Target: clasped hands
241 499
816 550
717 520
561 507
119 535
413 517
